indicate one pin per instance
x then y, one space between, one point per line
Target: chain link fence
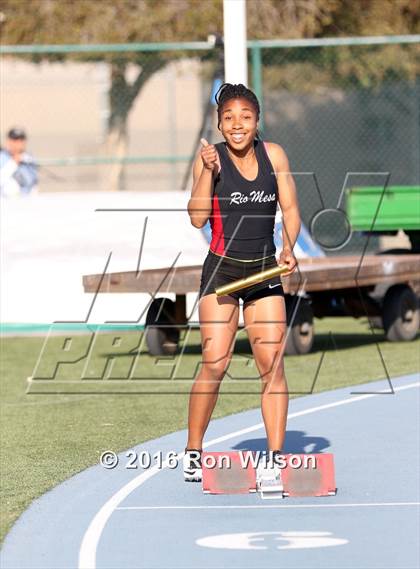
129 117
107 117
346 114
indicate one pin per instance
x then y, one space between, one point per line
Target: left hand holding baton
251 280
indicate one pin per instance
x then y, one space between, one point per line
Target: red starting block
314 477
225 473
302 474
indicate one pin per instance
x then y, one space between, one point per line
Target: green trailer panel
399 208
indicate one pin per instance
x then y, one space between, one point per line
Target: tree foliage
108 21
111 21
125 21
363 66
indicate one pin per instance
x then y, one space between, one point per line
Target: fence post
257 81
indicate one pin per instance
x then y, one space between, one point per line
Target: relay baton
251 280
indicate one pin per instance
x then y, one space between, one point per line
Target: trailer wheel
376 322
300 335
400 313
161 340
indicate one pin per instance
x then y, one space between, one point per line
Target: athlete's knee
215 370
270 363
275 383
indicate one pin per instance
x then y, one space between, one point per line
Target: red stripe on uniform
217 244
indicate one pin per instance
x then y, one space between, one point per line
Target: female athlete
237 184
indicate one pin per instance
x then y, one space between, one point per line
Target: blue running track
151 518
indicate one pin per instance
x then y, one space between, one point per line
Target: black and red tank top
243 211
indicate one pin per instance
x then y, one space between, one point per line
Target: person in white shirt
18 170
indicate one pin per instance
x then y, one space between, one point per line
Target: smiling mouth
238 137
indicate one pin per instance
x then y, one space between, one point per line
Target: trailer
384 211
383 288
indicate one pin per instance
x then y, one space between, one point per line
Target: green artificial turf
46 438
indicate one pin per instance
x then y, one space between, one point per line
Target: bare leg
218 326
265 322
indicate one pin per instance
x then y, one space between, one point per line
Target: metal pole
257 82
172 122
234 26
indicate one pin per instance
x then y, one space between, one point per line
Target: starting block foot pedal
269 481
225 473
271 490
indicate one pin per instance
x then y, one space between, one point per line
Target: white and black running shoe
268 476
192 465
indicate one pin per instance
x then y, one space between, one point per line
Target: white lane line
267 507
88 547
311 410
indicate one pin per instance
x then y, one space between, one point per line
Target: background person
18 170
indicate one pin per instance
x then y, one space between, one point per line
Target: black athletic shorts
218 271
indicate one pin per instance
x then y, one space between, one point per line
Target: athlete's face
238 123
